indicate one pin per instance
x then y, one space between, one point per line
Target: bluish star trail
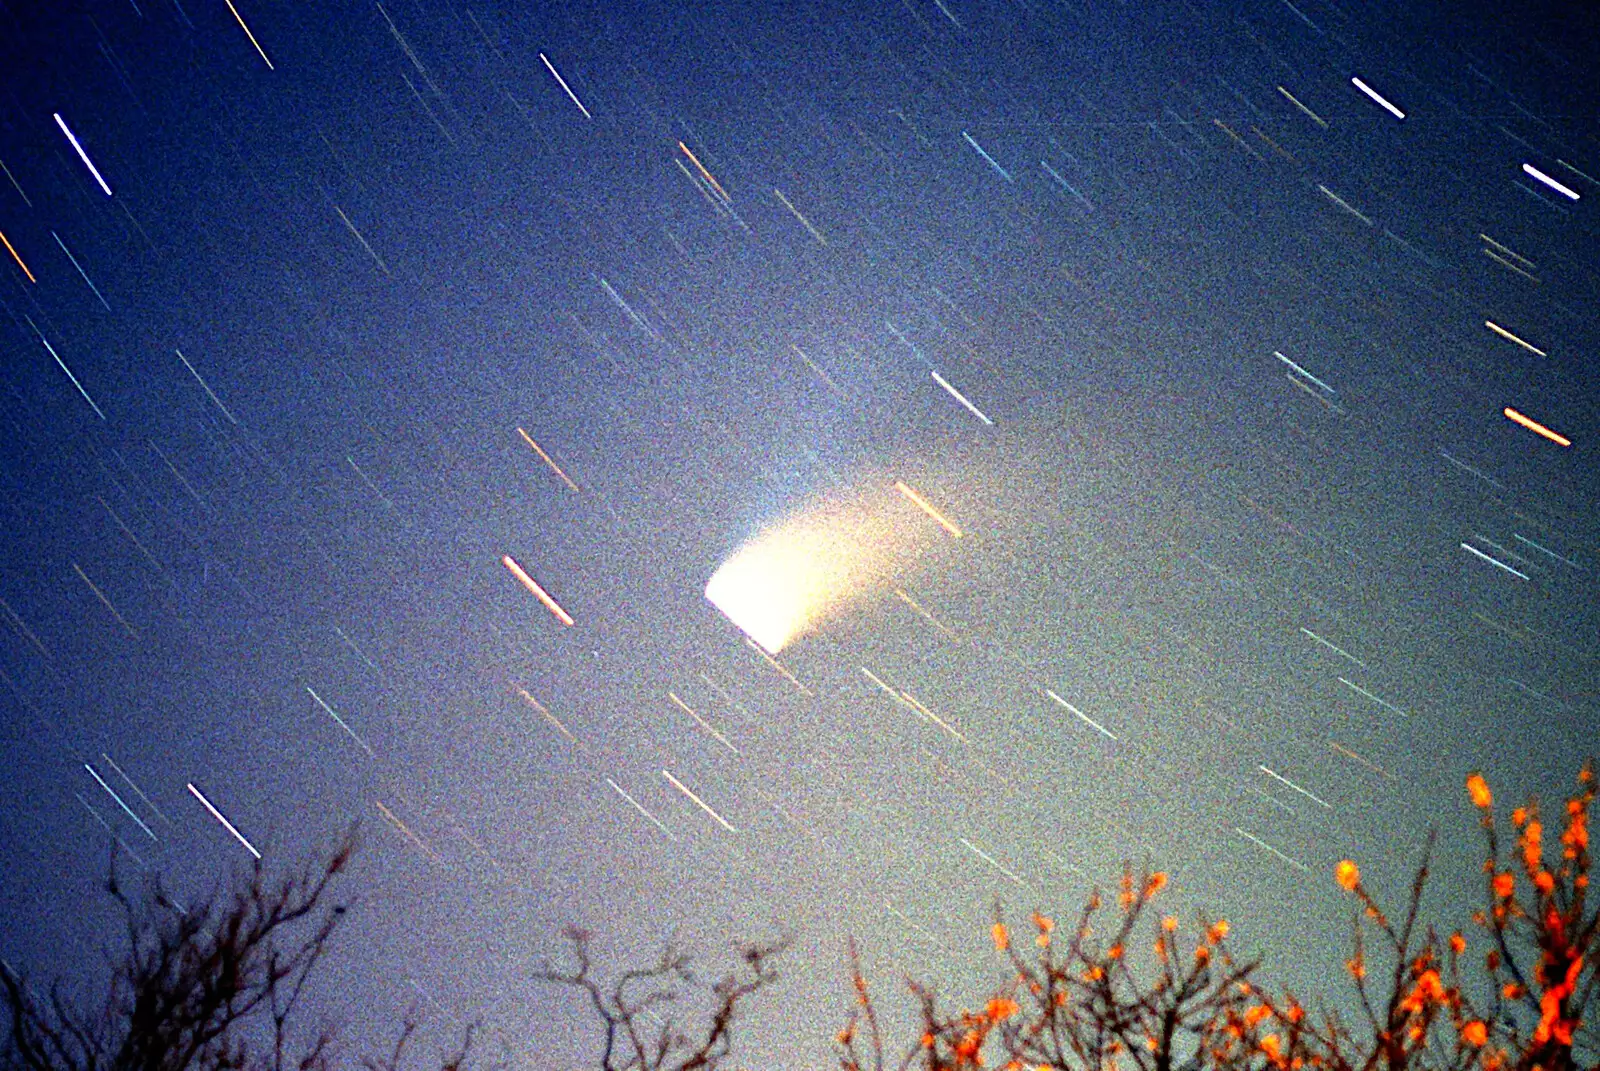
707 471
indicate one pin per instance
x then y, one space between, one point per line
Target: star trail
712 470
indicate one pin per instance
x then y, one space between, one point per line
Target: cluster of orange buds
1428 990
967 1049
1552 1025
1575 838
1001 1009
1533 855
1478 790
1272 1046
1046 928
1213 935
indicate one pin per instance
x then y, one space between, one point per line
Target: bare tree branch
636 994
198 990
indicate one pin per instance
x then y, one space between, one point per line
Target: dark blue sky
1299 600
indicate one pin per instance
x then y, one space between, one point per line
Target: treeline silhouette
218 987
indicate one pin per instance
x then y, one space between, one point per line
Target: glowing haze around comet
791 577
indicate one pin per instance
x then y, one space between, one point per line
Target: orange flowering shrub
1002 1008
1084 1004
1478 790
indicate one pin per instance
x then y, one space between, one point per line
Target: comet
818 562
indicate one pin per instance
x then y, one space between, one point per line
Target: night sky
316 315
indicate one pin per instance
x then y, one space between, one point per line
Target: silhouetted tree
1076 1002
217 988
213 988
636 1036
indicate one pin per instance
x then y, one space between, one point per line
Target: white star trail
229 826
73 138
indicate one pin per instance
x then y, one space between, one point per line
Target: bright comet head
769 591
785 581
